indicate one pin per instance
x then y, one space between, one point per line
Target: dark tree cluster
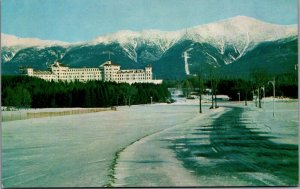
286 86
23 91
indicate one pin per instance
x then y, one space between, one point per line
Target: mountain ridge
238 21
217 44
8 40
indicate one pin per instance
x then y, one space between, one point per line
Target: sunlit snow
150 145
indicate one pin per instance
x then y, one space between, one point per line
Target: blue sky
81 20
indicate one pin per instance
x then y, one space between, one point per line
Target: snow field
283 127
78 150
149 161
153 160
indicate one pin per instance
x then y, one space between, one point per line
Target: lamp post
273 83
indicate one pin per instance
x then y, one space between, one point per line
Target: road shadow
227 148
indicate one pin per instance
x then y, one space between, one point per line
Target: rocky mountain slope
234 46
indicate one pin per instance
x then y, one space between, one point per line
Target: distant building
106 72
113 72
59 72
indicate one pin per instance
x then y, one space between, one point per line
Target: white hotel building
106 72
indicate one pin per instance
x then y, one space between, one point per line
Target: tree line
24 91
235 88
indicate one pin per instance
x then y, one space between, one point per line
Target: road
227 148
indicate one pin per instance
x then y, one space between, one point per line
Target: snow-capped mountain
11 40
241 32
233 30
218 44
132 41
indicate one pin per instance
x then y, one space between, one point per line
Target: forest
286 85
30 92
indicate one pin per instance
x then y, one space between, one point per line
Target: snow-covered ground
150 161
283 126
134 146
193 154
78 150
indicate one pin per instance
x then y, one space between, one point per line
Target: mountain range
232 47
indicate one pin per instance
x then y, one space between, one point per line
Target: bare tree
186 88
260 78
214 84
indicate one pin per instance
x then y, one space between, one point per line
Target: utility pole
273 83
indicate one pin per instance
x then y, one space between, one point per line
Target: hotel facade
108 72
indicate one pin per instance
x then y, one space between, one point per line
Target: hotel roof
58 64
109 63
